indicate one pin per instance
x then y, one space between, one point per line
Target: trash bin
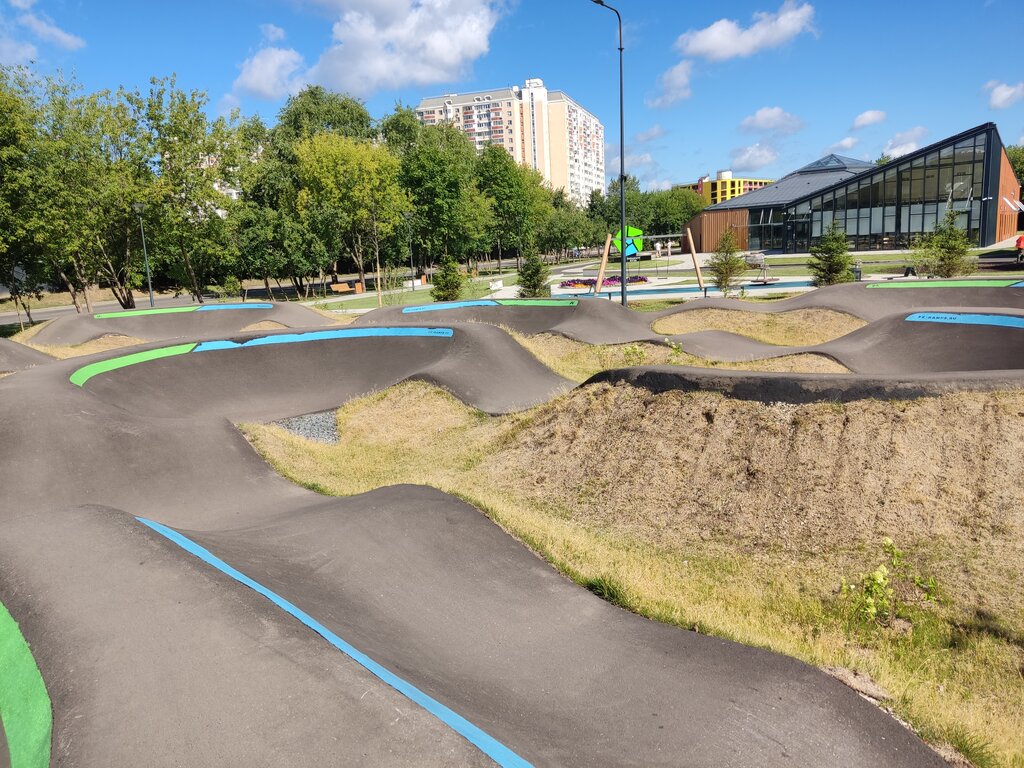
857 272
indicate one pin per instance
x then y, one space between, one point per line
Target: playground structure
171 580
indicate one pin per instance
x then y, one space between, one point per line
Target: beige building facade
545 130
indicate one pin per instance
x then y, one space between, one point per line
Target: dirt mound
796 328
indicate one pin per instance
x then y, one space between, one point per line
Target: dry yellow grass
263 325
742 519
337 317
796 328
578 361
102 344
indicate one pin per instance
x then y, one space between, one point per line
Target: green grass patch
24 703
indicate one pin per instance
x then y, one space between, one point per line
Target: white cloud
871 117
675 85
652 133
227 103
391 43
905 142
1002 95
15 51
772 119
753 157
272 33
271 73
642 159
657 185
725 39
22 5
46 30
843 145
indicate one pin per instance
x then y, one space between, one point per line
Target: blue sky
760 87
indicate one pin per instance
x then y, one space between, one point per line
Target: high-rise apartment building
543 129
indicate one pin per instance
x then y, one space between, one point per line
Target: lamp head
138 208
597 2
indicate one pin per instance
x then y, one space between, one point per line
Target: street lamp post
622 159
408 229
139 208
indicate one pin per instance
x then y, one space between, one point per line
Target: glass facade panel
890 208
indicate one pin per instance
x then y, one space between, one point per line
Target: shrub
533 278
727 264
830 259
448 281
946 251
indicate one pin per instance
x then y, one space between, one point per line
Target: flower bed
590 282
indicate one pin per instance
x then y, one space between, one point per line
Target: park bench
350 286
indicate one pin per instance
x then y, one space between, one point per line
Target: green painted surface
24 704
537 302
137 312
948 284
85 373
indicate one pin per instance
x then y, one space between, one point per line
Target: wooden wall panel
1009 187
709 226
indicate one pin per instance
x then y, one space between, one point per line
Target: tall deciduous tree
356 185
438 174
196 160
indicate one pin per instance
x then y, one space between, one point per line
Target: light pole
139 208
622 159
408 229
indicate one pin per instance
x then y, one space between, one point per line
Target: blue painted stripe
341 333
449 305
486 743
1018 285
215 307
967 318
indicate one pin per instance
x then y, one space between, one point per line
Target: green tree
727 264
438 174
671 209
21 266
1015 153
565 228
883 158
448 281
946 251
315 110
356 183
400 129
830 259
196 161
533 277
499 179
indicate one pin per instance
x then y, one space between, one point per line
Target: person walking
1020 249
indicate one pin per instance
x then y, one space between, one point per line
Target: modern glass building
878 206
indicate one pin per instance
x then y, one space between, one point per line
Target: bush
533 278
830 260
946 251
727 264
448 281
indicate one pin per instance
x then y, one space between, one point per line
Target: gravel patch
321 427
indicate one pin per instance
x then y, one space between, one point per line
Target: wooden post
696 264
604 263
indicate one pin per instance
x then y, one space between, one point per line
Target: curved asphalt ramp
875 300
591 321
17 357
432 637
944 340
200 320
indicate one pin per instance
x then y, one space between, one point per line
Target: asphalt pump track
187 605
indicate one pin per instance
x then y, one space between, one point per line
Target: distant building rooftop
822 173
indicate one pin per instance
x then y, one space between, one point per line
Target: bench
350 286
